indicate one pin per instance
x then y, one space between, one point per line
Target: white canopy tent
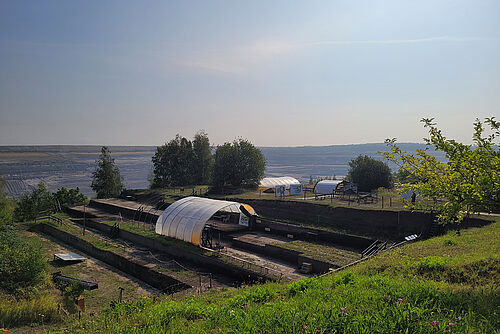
186 218
272 182
326 187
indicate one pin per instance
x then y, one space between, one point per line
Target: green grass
39 309
322 252
89 236
448 284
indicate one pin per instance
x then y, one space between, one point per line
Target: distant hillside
23 167
304 161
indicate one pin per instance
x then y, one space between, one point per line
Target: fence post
382 202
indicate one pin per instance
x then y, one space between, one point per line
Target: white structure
272 182
326 187
186 218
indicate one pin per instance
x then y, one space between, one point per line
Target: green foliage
203 159
33 311
369 174
21 264
29 206
173 163
70 196
72 290
468 182
302 286
383 295
346 278
238 163
431 264
106 179
7 205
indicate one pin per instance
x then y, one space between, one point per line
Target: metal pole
382 202
121 294
84 218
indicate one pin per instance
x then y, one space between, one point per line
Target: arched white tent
186 218
272 182
326 187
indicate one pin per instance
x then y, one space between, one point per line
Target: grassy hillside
445 284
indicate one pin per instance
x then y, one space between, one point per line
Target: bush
431 264
21 263
31 205
70 196
302 285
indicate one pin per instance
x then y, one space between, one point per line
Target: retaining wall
355 242
131 213
380 224
154 278
210 263
290 256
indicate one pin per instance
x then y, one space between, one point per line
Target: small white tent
272 182
326 187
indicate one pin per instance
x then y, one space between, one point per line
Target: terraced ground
323 252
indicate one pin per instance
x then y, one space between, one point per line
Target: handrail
51 218
370 248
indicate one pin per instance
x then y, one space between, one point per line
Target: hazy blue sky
279 73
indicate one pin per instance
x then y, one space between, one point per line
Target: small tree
39 201
106 179
238 163
468 182
69 196
369 173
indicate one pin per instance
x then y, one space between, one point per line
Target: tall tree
106 179
238 163
469 181
369 173
203 158
173 163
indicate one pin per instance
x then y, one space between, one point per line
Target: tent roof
272 182
186 218
326 186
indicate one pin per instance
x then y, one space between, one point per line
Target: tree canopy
106 179
369 173
173 163
469 181
238 163
203 159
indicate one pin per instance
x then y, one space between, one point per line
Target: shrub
21 263
431 264
31 205
302 285
346 278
